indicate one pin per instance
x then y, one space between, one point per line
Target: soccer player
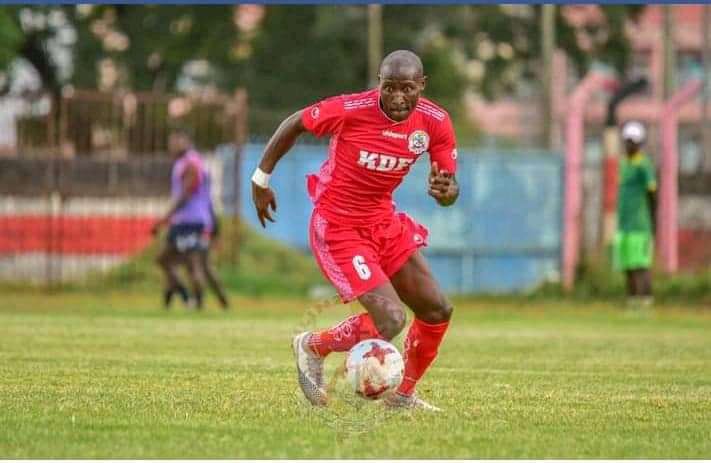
366 248
191 220
634 243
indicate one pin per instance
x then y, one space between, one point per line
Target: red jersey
370 154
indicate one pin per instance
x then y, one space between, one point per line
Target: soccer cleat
310 369
397 400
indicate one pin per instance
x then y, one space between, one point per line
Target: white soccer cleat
310 369
396 400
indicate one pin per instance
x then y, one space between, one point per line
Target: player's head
633 135
179 140
402 80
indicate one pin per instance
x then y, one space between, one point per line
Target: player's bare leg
168 261
630 283
642 287
647 286
196 277
418 289
384 319
212 280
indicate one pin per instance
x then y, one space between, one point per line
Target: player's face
399 94
631 147
178 144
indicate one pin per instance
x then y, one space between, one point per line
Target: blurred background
88 93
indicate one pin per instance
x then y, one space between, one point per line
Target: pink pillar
573 187
667 220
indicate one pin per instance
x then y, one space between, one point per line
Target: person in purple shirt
191 221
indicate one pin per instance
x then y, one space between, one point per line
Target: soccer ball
373 368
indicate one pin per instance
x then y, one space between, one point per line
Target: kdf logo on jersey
418 142
383 162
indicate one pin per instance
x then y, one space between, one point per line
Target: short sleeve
443 148
325 117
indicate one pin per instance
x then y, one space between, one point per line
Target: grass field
110 375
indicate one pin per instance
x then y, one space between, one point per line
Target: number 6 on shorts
361 267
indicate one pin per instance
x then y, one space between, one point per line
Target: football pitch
112 375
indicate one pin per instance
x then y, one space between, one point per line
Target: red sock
343 336
421 346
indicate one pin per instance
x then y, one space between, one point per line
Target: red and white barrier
48 239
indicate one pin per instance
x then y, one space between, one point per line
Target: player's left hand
155 229
442 186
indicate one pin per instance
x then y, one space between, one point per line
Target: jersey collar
636 158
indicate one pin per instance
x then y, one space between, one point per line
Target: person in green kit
636 206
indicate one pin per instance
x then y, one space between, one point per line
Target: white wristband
261 178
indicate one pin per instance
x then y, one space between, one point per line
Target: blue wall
503 234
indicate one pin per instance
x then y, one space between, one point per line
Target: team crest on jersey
315 112
418 142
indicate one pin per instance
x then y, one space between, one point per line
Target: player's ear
423 83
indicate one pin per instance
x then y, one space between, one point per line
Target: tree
150 44
26 32
10 37
298 54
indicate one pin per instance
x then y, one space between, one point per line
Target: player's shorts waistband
340 220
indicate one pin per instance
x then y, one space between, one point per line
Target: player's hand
263 199
155 229
442 186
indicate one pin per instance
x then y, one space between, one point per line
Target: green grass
110 375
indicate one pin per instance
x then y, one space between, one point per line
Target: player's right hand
263 199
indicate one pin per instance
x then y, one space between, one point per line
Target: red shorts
358 259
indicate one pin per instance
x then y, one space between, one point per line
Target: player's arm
443 186
652 198
651 181
323 118
279 144
191 182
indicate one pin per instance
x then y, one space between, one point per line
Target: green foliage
10 37
34 38
614 50
305 53
159 41
301 53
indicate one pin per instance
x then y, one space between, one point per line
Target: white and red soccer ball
373 368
